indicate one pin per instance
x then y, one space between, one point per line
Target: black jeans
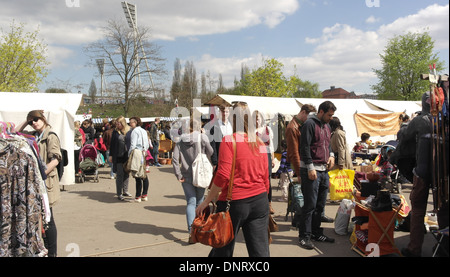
252 214
50 238
141 187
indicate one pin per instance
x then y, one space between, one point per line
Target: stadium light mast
101 67
130 11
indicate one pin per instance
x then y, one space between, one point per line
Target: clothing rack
24 206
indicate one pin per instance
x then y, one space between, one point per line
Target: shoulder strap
233 166
199 143
53 133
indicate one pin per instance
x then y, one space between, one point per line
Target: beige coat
340 148
49 148
136 164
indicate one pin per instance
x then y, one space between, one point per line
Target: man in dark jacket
154 137
417 166
316 158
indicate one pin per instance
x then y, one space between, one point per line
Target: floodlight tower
101 67
130 11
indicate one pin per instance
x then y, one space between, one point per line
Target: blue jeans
314 196
194 196
155 151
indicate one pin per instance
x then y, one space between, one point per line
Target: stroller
390 182
88 163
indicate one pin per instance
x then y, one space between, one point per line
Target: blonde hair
122 121
194 125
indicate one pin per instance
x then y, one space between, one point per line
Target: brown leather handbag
215 228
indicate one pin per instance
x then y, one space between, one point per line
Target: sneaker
327 219
126 194
306 243
137 200
121 198
322 238
158 165
144 198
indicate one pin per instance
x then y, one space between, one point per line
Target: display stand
380 231
165 148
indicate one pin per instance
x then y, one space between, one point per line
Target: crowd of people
115 142
315 143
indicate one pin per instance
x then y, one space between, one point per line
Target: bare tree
130 56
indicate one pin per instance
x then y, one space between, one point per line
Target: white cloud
433 19
62 25
179 18
344 55
214 16
372 19
57 56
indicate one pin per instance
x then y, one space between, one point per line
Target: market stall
59 109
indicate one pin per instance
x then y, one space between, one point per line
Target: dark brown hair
37 114
138 120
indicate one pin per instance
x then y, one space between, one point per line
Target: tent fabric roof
268 106
59 110
346 109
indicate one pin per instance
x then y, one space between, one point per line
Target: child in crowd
284 172
363 144
386 167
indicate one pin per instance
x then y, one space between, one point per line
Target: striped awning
143 119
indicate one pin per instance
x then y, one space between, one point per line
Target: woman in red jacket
249 207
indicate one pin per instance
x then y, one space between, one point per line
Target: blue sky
333 43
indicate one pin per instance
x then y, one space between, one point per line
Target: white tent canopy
267 106
346 109
59 110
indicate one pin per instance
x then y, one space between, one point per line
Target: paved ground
91 222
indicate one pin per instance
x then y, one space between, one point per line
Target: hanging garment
21 203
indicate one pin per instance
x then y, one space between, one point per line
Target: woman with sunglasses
88 130
50 153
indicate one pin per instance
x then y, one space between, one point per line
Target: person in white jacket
139 141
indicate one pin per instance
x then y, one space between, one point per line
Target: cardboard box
366 168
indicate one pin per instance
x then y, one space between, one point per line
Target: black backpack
64 158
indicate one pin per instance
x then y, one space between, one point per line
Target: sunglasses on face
36 119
